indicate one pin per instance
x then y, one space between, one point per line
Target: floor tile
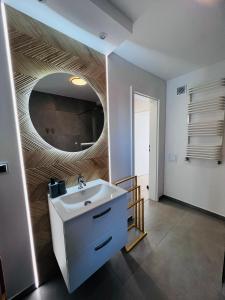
142 286
180 259
188 261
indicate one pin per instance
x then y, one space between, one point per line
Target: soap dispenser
53 188
61 187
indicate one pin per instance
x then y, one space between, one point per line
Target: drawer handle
102 213
103 244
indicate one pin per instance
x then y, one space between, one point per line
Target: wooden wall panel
37 51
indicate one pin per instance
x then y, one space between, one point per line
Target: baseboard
207 212
24 293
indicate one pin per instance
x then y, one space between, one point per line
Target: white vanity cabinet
84 243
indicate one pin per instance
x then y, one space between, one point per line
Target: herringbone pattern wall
37 51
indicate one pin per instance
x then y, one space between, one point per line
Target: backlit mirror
66 112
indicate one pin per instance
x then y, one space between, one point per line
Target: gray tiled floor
181 258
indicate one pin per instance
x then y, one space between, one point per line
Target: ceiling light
78 81
102 35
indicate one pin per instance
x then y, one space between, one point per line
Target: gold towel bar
138 204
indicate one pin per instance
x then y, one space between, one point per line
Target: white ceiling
59 84
81 20
174 37
133 9
165 37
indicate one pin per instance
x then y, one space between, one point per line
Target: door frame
132 93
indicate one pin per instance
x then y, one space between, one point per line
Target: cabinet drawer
87 228
99 252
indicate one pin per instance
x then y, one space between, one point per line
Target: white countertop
107 193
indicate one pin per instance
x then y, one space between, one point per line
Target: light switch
3 167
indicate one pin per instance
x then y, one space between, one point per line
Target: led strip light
9 60
108 117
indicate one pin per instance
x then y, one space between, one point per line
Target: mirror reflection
66 112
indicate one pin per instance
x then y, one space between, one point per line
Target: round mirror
66 112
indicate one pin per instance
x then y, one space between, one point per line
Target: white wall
122 75
14 239
198 182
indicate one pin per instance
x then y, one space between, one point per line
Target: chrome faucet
81 181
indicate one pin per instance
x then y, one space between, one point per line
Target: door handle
103 244
102 213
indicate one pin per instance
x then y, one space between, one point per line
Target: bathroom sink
93 193
78 201
88 227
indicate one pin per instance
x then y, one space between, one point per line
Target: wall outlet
3 167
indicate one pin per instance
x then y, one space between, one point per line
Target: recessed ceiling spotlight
43 1
103 35
78 81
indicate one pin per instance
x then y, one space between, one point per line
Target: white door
142 133
141 142
145 145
